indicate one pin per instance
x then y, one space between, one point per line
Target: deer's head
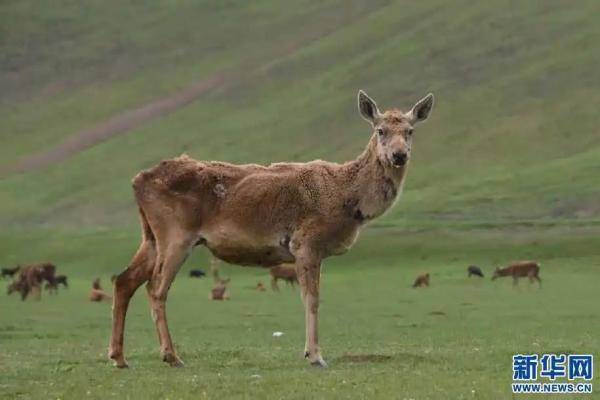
496 273
394 129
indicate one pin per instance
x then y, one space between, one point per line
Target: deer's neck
373 186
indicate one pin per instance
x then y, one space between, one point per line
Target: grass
381 338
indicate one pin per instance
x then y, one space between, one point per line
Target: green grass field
506 168
382 339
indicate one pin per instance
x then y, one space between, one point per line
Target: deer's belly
241 248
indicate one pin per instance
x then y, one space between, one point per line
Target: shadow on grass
382 358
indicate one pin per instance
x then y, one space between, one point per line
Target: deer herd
288 217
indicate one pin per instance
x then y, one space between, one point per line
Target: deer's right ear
367 107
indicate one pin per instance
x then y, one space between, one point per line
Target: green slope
514 136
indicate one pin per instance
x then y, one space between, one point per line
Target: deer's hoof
118 359
319 362
173 360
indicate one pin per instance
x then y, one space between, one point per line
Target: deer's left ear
421 110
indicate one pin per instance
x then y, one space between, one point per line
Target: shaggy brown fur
298 213
287 273
30 279
521 269
421 281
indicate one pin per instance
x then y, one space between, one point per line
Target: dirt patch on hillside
116 125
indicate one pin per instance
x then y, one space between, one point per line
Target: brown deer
421 281
298 213
219 291
260 287
520 269
30 279
284 272
97 294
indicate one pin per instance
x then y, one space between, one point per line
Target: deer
255 215
52 285
520 269
28 281
421 281
10 272
285 272
97 294
474 270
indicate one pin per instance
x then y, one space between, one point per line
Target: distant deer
97 294
28 281
219 291
197 273
260 287
10 272
474 270
295 213
284 272
520 269
421 281
52 286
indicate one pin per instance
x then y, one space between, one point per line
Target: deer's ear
367 107
421 110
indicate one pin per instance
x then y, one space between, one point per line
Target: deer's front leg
308 267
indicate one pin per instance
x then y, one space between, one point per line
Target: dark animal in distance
10 272
197 273
284 272
520 269
474 270
52 286
260 287
421 281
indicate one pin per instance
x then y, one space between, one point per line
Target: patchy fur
298 213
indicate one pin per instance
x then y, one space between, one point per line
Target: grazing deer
52 286
197 273
28 281
474 270
421 281
97 294
520 269
10 272
295 213
285 272
219 291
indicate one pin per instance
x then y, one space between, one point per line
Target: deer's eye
380 131
410 132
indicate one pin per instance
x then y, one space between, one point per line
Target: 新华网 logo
561 373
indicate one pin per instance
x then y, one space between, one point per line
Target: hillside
514 137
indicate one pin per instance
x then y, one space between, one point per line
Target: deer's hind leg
139 271
173 249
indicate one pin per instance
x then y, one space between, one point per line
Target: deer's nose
399 158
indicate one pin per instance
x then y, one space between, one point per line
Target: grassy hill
514 137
